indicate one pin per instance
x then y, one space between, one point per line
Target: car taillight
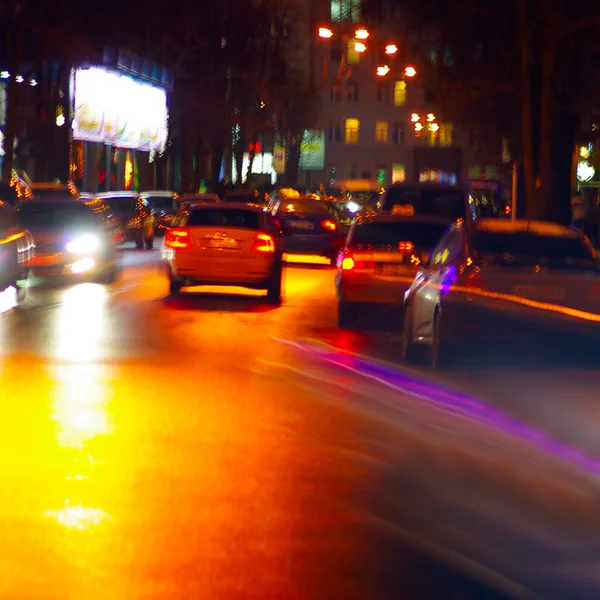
406 247
329 225
178 238
351 263
347 263
263 242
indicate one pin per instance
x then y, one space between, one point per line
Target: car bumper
311 244
372 289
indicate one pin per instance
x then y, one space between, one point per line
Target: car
70 240
189 200
246 197
226 244
497 278
134 214
18 250
380 259
164 206
309 226
47 189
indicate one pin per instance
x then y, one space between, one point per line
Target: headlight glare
83 244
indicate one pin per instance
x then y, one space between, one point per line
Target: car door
436 278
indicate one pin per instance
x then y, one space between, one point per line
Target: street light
415 118
391 49
383 71
361 34
434 127
410 72
360 47
325 33
418 126
430 118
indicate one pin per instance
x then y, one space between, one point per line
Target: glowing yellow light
415 118
584 152
325 33
410 72
391 49
383 71
418 126
361 34
360 47
434 127
128 172
77 517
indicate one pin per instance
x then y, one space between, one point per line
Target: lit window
381 131
353 55
398 173
445 134
345 10
352 129
399 93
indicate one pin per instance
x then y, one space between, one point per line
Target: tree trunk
527 111
292 160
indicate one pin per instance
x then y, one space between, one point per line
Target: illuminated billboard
115 109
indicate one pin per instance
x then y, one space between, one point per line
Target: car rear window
304 206
161 202
118 203
522 246
224 217
430 202
52 214
422 235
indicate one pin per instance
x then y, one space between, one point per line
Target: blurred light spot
78 517
8 299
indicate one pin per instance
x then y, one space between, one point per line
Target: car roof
63 200
158 193
227 206
242 193
117 195
523 225
425 219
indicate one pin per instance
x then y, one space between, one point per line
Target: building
376 118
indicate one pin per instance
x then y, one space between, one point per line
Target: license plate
537 292
227 243
301 225
394 270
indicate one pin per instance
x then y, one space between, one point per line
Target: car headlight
353 207
83 245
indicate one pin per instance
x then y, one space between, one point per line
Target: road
213 446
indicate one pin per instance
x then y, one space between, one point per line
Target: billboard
112 108
312 151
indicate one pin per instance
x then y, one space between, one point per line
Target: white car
496 278
225 244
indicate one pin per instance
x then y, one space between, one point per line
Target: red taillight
178 238
329 225
263 242
406 247
351 263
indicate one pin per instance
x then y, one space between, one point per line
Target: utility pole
14 50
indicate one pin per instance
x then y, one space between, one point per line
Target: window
383 94
381 132
398 134
352 129
446 134
398 173
400 93
353 92
223 217
334 132
345 10
335 96
353 55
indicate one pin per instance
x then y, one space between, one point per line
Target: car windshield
304 206
223 217
119 203
530 248
424 201
422 235
56 214
161 202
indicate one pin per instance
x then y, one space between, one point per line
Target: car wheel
174 287
274 288
411 352
347 315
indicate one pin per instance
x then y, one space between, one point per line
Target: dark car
70 240
135 216
164 205
309 226
246 197
15 259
